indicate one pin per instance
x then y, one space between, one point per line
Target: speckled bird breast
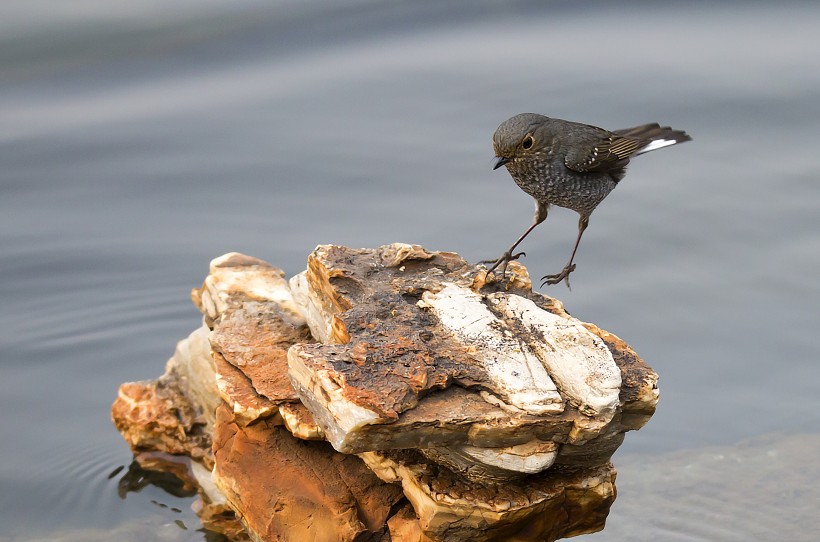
550 181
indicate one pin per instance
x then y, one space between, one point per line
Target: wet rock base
388 394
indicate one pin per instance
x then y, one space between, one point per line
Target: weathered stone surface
404 526
487 406
253 320
255 338
236 390
235 279
156 416
576 359
168 424
299 421
403 333
542 507
194 370
221 519
514 372
288 489
495 464
639 387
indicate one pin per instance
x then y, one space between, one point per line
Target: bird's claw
558 277
505 258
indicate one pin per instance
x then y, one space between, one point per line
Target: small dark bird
571 165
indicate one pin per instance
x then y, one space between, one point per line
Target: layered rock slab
448 387
158 416
225 407
419 352
289 489
543 507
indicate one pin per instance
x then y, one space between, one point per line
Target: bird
571 165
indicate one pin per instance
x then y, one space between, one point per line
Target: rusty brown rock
156 416
402 368
221 519
404 526
238 393
255 338
293 490
542 508
253 320
401 377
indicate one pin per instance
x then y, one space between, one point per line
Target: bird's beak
500 161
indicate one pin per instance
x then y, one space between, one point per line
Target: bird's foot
558 277
502 262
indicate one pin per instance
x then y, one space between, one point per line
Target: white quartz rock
577 360
515 372
528 458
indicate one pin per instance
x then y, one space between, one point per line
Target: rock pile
389 394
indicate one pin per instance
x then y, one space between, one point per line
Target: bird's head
518 138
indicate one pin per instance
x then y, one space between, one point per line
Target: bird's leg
570 267
540 215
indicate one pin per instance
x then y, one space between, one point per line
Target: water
138 142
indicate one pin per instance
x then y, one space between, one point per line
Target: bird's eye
527 143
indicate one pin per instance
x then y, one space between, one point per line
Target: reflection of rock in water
462 410
136 478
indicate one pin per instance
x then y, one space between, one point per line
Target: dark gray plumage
571 165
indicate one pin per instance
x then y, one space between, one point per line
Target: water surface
138 142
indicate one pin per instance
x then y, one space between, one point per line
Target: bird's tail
655 136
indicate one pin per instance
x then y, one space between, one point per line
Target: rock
194 370
299 422
253 320
499 463
398 332
169 433
288 489
157 416
237 391
235 279
451 508
390 394
255 339
404 526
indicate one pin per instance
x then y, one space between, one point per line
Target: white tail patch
656 144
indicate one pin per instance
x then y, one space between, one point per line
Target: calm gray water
139 142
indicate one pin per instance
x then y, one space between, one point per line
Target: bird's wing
601 151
